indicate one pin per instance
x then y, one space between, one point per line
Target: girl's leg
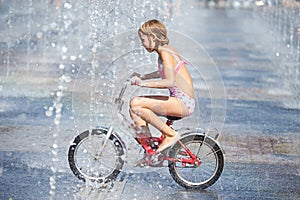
146 109
160 105
136 119
141 126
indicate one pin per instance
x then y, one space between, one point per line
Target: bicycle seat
173 118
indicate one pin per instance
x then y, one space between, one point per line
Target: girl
174 76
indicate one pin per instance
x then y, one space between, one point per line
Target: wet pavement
260 136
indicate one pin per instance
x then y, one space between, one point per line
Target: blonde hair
156 29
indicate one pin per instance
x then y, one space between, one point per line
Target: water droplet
61 66
65 78
54 152
56 121
52 180
64 49
73 57
67 5
45 28
49 113
53 25
59 94
39 35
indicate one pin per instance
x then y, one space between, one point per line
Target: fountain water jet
283 47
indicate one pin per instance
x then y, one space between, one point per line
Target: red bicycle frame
150 144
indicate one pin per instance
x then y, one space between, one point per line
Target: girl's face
147 42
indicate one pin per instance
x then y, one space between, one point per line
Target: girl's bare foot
168 141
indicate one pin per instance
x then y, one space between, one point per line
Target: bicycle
196 161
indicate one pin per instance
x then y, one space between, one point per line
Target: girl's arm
169 73
152 75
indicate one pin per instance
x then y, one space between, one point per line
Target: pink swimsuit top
175 89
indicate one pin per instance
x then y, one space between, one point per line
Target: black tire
84 159
210 155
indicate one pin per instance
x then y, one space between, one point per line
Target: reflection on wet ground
239 180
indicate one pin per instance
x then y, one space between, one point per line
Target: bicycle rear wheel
89 160
192 176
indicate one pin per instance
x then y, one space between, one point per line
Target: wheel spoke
193 176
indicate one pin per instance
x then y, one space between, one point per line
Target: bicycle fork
109 132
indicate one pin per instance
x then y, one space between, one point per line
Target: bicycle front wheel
211 158
93 156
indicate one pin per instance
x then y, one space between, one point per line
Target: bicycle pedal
143 162
157 160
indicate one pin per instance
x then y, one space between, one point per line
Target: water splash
64 25
63 45
105 20
283 47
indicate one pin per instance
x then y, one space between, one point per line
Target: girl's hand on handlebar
135 81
